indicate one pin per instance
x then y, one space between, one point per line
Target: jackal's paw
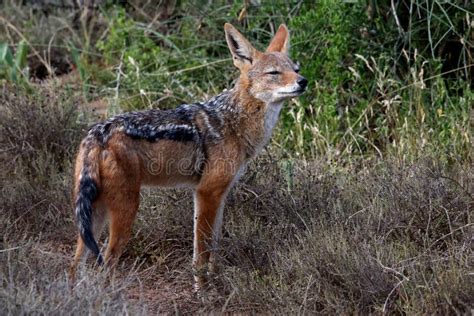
205 292
200 278
202 290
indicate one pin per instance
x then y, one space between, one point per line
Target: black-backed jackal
203 145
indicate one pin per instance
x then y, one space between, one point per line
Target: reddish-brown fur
125 164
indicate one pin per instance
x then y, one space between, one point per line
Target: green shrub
13 66
375 90
150 68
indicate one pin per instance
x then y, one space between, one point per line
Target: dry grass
299 237
34 282
38 136
386 237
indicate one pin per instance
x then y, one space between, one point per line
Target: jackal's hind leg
122 212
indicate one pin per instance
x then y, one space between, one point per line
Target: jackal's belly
171 164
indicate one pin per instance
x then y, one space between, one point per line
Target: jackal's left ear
281 41
242 51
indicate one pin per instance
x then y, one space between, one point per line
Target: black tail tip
89 241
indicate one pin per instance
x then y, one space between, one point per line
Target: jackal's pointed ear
281 41
242 51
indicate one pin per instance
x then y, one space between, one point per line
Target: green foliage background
381 80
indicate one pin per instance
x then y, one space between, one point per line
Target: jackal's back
198 122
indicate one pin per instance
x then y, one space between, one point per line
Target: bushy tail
87 190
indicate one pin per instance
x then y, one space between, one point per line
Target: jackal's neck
239 99
249 118
236 101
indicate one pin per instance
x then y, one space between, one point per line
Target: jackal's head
270 76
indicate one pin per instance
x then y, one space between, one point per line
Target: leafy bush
377 90
151 68
12 67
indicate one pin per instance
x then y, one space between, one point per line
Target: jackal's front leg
209 202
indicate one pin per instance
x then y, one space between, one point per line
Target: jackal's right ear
242 51
281 40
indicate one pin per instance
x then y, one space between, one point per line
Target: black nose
302 82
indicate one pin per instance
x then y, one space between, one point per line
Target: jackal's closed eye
274 72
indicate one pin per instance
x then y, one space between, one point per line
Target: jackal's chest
270 119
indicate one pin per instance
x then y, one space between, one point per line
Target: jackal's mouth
292 93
